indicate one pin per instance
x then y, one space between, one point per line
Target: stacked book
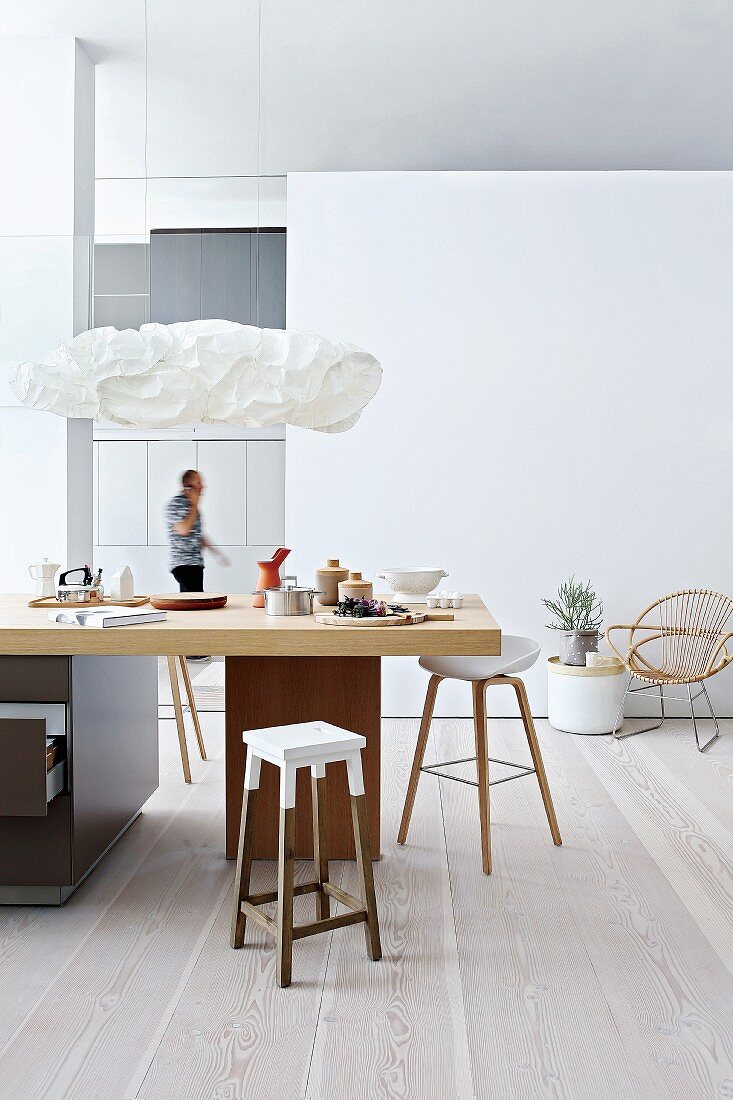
102 617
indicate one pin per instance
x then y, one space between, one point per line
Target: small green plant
576 608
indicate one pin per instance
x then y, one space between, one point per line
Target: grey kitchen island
98 717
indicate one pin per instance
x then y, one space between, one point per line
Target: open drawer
27 785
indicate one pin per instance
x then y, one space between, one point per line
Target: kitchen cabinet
226 276
223 466
122 488
56 824
167 460
265 492
237 275
268 262
175 277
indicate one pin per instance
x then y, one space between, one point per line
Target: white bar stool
517 655
303 745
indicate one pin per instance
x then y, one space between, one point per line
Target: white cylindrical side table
584 700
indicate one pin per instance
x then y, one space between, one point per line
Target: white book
103 617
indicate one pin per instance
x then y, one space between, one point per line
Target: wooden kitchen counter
278 670
240 630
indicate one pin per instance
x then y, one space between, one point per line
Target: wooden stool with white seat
303 745
517 655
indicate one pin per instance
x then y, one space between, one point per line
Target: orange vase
269 574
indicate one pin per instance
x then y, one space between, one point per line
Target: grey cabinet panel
119 310
34 679
120 269
235 275
114 726
175 277
36 851
226 271
268 279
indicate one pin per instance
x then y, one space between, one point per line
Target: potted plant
577 615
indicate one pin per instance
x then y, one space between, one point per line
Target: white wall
557 387
515 84
46 218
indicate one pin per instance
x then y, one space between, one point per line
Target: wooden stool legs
176 692
192 707
285 885
244 866
320 853
482 768
482 760
422 740
534 749
362 909
366 876
178 709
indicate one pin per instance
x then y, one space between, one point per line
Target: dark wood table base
274 691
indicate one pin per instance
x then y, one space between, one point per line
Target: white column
46 225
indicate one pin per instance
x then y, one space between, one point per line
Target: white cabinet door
266 493
223 466
167 460
123 493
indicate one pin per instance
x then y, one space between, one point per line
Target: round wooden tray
375 621
187 601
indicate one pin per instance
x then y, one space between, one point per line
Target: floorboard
233 1032
396 1027
598 970
99 1013
28 971
538 1023
669 996
692 847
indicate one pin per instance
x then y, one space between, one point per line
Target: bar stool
518 654
178 709
303 745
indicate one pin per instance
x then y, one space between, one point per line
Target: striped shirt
184 549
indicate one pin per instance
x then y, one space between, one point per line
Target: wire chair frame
689 634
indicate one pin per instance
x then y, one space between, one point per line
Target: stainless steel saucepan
289 599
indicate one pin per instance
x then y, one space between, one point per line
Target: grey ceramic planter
574 644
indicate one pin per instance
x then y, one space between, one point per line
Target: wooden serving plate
187 601
51 601
385 620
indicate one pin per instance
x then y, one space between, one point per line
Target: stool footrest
340 895
259 917
300 931
271 895
521 770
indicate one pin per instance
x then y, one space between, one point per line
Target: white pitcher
44 573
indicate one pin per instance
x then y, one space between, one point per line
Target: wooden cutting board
187 601
51 601
386 620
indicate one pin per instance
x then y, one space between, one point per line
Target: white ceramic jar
584 700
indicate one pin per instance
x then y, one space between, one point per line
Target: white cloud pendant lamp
211 372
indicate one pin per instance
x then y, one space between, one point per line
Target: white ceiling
414 84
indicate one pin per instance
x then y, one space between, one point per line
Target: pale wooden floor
601 969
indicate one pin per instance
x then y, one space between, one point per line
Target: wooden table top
242 630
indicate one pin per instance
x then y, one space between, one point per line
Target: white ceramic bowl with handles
411 585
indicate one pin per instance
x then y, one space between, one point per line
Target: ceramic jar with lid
356 588
327 581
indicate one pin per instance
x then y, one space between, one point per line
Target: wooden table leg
272 691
